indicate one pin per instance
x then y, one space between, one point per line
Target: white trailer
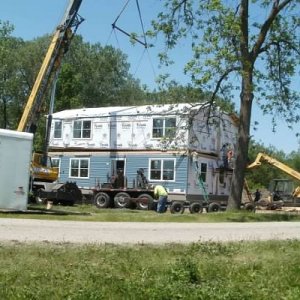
15 158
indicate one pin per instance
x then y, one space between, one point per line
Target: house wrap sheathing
174 145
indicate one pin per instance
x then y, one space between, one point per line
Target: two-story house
176 145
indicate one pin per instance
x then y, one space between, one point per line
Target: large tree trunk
235 197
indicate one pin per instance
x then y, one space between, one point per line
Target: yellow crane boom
262 157
51 63
42 175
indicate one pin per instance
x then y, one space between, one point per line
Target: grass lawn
92 213
244 270
210 270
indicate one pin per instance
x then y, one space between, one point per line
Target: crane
41 173
58 47
262 157
281 189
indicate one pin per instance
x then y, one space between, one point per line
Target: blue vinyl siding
100 168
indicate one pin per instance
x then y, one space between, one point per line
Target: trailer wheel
214 207
36 198
122 200
177 207
102 200
144 202
249 206
195 208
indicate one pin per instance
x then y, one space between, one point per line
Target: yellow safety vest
160 191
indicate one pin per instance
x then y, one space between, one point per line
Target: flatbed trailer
143 199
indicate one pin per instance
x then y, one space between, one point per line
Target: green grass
91 213
244 270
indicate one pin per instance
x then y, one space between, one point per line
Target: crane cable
117 18
144 43
114 26
142 24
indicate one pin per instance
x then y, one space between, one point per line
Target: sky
34 18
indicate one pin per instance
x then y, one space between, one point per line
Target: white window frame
55 130
162 160
82 129
58 165
79 167
163 127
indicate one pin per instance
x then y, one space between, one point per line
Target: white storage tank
15 158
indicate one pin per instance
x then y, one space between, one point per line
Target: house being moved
173 145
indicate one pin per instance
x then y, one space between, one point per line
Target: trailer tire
35 197
145 202
177 207
249 207
195 208
214 207
122 200
102 200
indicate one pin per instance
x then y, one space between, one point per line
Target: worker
257 195
229 157
161 194
224 151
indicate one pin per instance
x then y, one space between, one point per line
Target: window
164 127
162 169
55 162
79 167
81 129
203 171
57 129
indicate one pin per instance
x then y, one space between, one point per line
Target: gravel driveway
26 230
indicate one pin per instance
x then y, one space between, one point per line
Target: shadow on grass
43 211
251 217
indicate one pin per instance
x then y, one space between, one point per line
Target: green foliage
175 93
91 76
220 44
9 76
102 74
247 270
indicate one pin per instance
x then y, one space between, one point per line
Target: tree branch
277 7
219 82
218 85
276 43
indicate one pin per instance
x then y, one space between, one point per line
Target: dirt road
23 230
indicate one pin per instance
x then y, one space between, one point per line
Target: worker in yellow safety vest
161 194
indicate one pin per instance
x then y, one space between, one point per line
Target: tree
235 51
102 75
90 76
9 79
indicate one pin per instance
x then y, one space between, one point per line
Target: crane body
43 176
280 189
